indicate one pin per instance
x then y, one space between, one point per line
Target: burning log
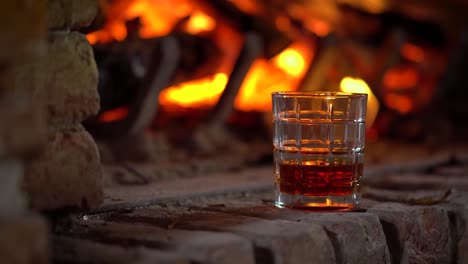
133 72
211 135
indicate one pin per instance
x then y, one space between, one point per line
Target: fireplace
152 128
207 63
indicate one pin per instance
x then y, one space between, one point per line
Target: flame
412 52
159 17
199 22
114 114
401 103
197 93
282 72
291 61
401 78
356 85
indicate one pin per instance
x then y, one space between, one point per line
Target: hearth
141 129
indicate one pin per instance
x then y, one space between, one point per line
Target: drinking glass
318 144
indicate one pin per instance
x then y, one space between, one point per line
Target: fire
412 52
356 85
114 114
159 17
197 93
282 72
200 22
292 62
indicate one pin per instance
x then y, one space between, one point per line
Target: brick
12 201
71 14
275 241
416 234
19 116
75 250
23 28
125 196
24 240
66 174
417 181
65 80
458 215
198 246
357 237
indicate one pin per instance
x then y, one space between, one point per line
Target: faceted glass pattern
318 144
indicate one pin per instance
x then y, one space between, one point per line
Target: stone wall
24 236
48 86
67 173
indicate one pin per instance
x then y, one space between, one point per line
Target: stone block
71 14
66 174
12 200
357 237
416 234
65 80
275 241
458 214
24 240
75 250
198 246
22 124
23 28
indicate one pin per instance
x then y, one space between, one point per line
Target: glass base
318 203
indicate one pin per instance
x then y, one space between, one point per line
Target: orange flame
355 85
283 72
159 17
412 52
197 93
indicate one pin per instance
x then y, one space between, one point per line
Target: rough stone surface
24 240
357 237
416 234
22 27
198 246
67 174
75 250
415 181
276 241
72 14
65 80
12 202
19 115
173 187
421 222
457 208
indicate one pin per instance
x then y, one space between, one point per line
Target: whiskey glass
318 141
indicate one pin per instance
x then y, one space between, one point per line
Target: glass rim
318 94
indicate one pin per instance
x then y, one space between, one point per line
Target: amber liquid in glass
315 179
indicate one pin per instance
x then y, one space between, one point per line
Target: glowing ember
355 85
412 52
401 103
401 78
114 114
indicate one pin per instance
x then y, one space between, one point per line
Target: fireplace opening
181 67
